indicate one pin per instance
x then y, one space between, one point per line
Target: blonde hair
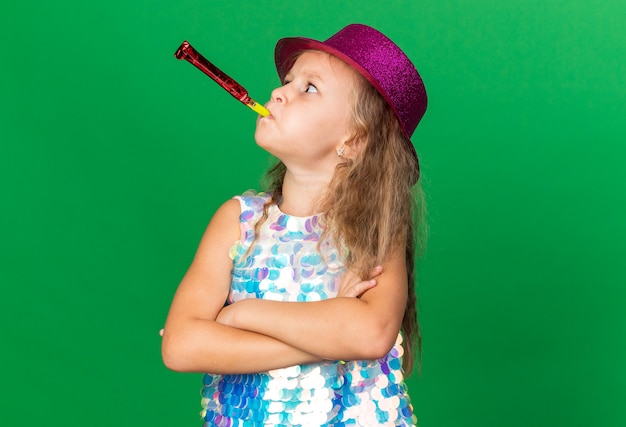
372 205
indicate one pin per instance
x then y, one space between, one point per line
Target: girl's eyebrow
311 75
308 75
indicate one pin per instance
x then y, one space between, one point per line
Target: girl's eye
311 88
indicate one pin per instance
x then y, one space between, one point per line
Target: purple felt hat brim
377 59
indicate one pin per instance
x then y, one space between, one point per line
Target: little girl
300 301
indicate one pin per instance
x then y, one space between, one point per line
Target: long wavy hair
374 203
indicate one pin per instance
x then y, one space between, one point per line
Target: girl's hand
353 287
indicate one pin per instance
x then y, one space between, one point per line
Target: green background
113 156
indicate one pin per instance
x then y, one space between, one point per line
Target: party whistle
186 51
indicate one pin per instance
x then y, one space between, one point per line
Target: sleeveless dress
288 263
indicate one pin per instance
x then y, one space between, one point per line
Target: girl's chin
263 138
264 144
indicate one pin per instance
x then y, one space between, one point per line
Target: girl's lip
270 117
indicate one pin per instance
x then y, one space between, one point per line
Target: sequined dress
286 264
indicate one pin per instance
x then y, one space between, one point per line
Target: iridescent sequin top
288 263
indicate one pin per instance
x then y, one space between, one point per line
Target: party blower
187 52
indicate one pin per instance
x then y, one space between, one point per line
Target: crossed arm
201 335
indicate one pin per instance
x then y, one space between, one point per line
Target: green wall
113 156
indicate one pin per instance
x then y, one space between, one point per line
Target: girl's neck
302 195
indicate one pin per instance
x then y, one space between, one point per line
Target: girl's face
311 113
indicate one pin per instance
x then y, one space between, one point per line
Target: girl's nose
278 95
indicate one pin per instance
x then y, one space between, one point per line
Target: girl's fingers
353 287
366 285
376 271
356 289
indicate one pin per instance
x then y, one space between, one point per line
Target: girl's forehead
321 63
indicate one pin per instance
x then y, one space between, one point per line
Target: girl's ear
352 148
